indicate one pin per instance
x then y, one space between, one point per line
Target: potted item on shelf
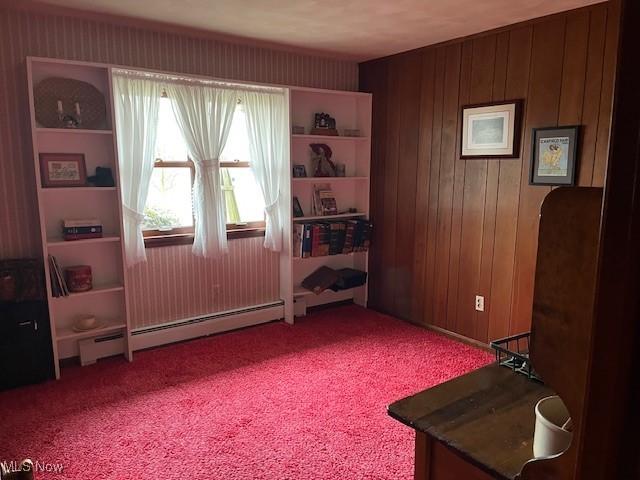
63 170
324 124
78 278
81 229
323 166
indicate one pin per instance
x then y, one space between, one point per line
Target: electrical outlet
479 303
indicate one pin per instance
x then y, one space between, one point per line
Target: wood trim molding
187 238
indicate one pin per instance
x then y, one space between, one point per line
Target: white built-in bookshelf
107 301
351 110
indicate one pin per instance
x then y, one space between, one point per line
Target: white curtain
136 103
267 130
204 114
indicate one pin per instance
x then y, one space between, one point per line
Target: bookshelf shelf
329 179
59 242
324 257
94 291
67 333
328 137
77 131
78 189
330 217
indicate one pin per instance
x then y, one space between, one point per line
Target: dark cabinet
25 344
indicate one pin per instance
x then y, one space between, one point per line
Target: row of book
59 286
317 239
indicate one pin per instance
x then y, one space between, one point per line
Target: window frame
185 235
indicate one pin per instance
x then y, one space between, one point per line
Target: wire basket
513 352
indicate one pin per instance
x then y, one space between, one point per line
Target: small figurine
321 160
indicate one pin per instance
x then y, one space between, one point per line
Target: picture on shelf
324 124
63 170
299 171
297 208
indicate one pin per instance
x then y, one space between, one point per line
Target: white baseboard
148 337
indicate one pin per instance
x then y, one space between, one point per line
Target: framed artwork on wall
491 130
63 170
554 152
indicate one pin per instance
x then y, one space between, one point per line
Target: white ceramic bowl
85 322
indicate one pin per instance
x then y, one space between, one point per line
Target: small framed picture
297 208
554 154
63 170
491 130
299 171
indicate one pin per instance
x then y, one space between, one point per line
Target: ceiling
357 29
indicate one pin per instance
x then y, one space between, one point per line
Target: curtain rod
187 80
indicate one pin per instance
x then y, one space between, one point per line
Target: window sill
187 238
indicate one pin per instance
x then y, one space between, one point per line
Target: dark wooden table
477 426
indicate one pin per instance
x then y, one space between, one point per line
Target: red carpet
306 402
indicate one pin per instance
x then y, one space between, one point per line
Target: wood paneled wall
449 229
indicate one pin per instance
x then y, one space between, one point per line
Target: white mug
550 438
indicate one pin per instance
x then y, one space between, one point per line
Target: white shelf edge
300 291
307 136
77 189
59 242
352 254
329 217
67 333
84 131
328 179
94 291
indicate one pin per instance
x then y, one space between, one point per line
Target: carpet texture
303 402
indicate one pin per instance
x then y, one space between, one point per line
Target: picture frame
299 171
491 130
297 208
554 154
63 170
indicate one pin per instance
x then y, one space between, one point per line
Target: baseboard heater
187 329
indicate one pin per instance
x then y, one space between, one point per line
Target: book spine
81 230
81 236
334 239
348 240
306 240
316 237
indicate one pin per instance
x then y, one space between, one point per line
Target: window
169 208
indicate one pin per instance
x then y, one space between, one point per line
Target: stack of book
81 229
58 284
317 239
324 201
